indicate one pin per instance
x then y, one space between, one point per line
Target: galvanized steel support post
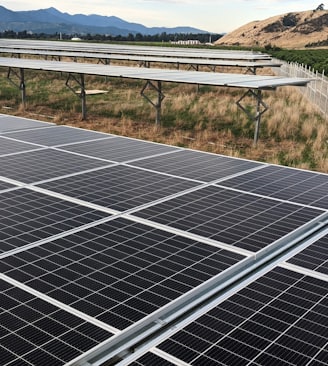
160 96
81 94
21 84
261 107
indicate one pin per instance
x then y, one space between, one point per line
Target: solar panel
81 47
4 186
279 319
119 187
240 219
56 136
305 187
197 165
45 164
224 61
120 149
152 359
35 332
127 238
8 147
314 257
27 217
11 123
118 272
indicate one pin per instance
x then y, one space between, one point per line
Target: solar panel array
144 60
163 75
123 49
102 234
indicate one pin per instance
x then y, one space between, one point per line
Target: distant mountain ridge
51 20
290 30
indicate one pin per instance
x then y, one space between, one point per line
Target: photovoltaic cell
239 219
58 135
314 257
119 149
27 216
280 319
119 187
118 272
305 187
11 123
197 165
35 332
44 164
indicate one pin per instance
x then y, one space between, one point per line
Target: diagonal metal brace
82 94
261 108
160 96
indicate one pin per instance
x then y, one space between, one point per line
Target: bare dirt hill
290 30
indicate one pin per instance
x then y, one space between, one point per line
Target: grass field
292 132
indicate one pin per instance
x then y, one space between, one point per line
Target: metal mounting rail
120 348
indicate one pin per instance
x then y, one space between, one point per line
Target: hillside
290 30
51 20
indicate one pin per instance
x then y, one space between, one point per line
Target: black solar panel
119 187
150 359
27 216
56 135
45 164
120 149
197 165
280 319
314 257
244 220
119 271
184 223
35 332
307 188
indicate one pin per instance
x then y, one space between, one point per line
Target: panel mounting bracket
261 108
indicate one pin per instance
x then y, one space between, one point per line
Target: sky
215 16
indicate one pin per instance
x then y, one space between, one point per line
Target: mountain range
52 21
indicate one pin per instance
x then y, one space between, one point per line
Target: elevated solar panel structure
132 50
147 60
254 84
165 75
117 244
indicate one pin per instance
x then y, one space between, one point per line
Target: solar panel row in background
108 231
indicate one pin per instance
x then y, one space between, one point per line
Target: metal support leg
160 97
261 107
251 70
82 94
21 83
22 86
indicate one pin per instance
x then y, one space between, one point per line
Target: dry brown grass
292 131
